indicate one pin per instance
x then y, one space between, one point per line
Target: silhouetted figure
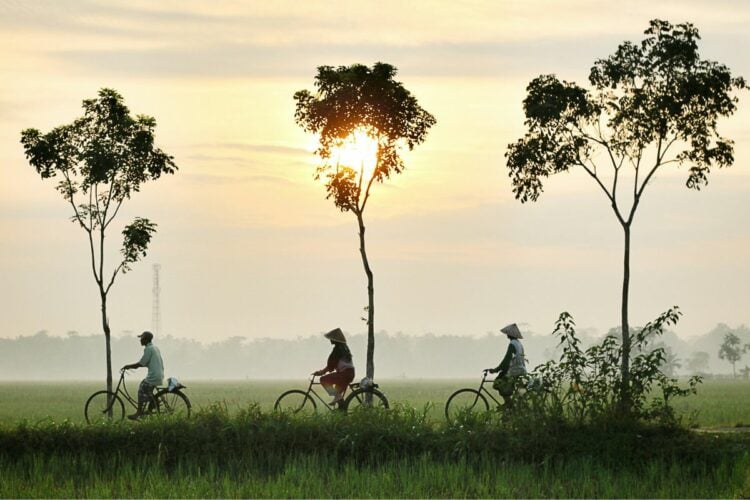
512 366
340 363
151 359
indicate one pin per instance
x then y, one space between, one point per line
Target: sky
247 243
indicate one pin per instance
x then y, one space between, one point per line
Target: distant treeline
81 357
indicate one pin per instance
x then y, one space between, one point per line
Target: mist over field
42 356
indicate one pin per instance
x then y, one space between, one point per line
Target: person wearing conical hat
339 370
512 366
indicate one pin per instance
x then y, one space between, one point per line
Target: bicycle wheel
358 399
295 401
465 402
174 403
99 405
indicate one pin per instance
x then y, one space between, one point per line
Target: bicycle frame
312 391
484 390
124 391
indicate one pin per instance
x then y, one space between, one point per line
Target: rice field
719 402
236 447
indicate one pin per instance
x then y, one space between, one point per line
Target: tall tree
651 105
356 103
101 159
731 350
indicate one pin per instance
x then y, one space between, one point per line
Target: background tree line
74 357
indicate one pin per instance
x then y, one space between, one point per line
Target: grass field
719 402
320 477
235 449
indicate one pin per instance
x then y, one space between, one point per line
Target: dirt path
724 430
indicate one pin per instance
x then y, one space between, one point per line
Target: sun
359 152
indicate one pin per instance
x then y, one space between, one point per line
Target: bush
267 440
586 386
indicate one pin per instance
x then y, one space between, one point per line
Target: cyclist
151 359
512 366
339 364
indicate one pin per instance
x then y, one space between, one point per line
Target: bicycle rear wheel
295 401
358 400
465 402
100 405
174 403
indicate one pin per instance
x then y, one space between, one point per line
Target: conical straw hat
336 335
512 331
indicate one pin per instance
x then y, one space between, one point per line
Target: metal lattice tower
155 306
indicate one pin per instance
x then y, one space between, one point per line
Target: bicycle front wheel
465 402
104 406
366 398
295 401
174 403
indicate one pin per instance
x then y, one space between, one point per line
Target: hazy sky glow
248 244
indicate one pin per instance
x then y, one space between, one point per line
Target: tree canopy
658 94
102 158
356 98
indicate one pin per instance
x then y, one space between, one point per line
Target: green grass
398 453
321 477
719 403
239 448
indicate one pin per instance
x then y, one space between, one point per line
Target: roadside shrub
584 386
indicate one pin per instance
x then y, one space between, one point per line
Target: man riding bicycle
151 359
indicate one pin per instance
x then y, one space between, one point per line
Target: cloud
235 179
286 22
260 158
146 18
248 60
219 158
283 39
257 148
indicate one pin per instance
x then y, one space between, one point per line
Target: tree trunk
625 368
105 326
370 300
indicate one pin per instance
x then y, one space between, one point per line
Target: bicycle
298 401
467 400
105 406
